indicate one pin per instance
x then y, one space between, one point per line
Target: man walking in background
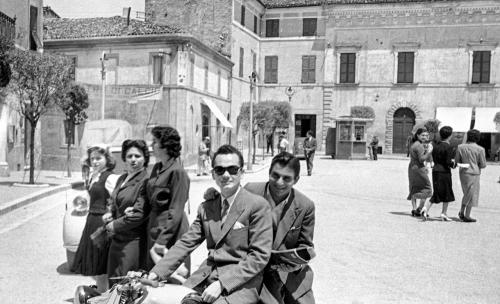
309 150
203 156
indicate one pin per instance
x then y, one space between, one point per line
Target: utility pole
103 73
252 79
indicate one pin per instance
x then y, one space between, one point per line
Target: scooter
134 289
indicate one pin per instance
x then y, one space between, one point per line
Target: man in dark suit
293 227
237 227
309 150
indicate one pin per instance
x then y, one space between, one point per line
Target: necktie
224 209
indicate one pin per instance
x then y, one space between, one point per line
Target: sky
93 8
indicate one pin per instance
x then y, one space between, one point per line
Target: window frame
255 24
241 62
404 76
482 46
205 80
161 75
243 15
308 69
350 68
481 67
340 49
307 24
74 63
270 73
272 28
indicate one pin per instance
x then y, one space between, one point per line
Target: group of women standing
143 214
469 157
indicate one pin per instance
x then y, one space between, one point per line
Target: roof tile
298 3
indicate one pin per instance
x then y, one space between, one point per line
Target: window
191 72
308 69
254 62
273 28
157 69
34 41
205 83
271 69
481 61
347 68
242 54
345 132
242 15
72 68
218 82
255 24
405 67
309 26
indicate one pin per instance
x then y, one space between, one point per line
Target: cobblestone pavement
370 250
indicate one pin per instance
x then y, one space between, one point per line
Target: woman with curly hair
167 192
420 185
90 259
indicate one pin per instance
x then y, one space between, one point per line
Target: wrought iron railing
7 26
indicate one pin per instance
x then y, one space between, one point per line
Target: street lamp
289 92
252 79
103 74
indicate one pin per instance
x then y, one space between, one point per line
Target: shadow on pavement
64 269
70 300
400 213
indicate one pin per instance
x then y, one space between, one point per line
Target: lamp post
103 74
252 79
289 92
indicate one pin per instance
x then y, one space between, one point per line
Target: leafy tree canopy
267 115
74 104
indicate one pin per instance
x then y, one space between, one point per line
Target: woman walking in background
470 158
90 260
128 247
167 191
443 156
419 183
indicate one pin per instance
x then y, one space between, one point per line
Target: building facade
154 75
403 58
21 21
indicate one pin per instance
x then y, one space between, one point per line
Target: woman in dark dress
128 242
89 259
167 191
443 156
420 185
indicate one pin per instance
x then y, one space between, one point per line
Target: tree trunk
68 162
32 153
253 143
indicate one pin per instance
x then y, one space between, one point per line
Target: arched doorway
404 120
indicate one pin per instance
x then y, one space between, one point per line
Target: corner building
405 59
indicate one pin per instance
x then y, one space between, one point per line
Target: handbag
100 238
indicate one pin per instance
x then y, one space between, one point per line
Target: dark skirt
126 255
90 260
443 189
420 185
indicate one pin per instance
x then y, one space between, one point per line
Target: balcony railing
7 26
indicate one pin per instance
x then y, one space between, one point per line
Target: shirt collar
270 199
231 199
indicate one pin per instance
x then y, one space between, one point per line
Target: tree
432 126
38 80
5 71
73 104
267 116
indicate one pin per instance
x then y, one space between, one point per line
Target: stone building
21 21
154 75
406 59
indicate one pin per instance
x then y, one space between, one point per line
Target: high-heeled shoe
444 217
425 215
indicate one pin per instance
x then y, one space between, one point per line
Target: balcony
7 26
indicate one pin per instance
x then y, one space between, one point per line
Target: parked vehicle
75 216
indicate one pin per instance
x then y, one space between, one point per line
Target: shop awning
217 112
459 118
485 120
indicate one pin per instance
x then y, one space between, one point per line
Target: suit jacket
167 191
237 254
128 195
295 229
473 154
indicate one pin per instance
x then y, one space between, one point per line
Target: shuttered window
309 26
347 67
271 69
481 62
157 69
308 69
405 67
273 28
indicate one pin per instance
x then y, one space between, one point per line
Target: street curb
23 201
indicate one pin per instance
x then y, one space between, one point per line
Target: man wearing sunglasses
293 227
237 227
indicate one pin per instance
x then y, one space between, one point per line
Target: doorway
404 120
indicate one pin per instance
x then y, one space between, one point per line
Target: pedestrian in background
409 142
90 259
419 183
470 158
203 156
309 150
283 143
270 143
167 191
374 147
128 249
443 156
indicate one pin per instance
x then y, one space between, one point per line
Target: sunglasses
233 170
